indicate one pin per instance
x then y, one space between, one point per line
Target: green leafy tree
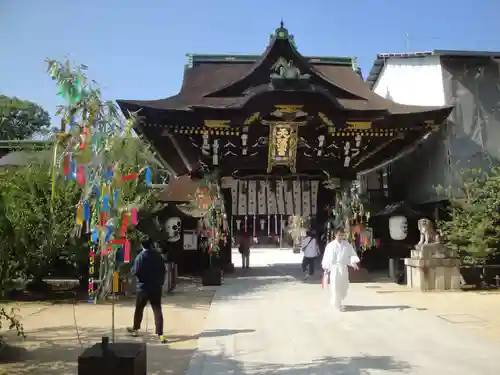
37 231
40 229
22 119
38 223
474 226
9 260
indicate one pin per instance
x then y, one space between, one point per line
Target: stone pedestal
117 358
433 267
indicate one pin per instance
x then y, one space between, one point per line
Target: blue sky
136 49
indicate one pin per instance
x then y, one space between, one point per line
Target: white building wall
415 81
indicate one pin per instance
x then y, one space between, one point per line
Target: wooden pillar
225 253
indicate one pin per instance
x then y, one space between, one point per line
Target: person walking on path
244 249
339 255
310 249
149 268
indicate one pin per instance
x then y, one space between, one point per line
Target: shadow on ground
360 365
55 351
354 308
52 358
208 333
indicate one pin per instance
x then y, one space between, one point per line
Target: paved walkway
281 325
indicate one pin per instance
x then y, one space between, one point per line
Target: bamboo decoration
89 130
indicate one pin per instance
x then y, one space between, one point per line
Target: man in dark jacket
244 249
149 268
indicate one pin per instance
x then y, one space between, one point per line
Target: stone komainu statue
428 233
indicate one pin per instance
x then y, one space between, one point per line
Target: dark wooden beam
147 139
389 152
377 149
179 151
402 153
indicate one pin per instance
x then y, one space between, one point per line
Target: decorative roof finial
281 32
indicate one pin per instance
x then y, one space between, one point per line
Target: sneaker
306 276
133 332
162 339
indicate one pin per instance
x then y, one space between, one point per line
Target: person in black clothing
244 249
149 268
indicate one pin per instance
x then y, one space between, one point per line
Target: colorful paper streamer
80 175
129 177
91 290
126 252
133 216
123 231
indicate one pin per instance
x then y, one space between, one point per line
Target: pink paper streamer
133 215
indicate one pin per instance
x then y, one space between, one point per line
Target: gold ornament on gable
253 118
359 125
287 108
222 124
289 111
326 120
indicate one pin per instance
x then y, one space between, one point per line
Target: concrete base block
433 267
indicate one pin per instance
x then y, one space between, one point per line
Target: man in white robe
339 254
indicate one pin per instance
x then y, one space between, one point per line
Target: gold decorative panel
217 123
359 125
282 144
286 108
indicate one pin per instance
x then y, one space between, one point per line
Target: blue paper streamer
110 229
95 236
108 175
86 211
105 202
115 199
120 254
96 191
148 176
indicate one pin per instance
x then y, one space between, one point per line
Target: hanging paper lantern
398 228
